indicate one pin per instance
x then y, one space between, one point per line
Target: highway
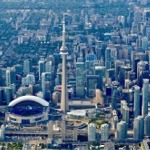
57 135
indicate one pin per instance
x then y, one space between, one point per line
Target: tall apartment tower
145 91
138 128
104 132
91 132
147 125
63 53
136 101
121 130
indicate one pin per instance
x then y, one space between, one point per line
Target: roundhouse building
28 110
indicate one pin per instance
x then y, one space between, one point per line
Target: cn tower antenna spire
63 48
64 33
63 53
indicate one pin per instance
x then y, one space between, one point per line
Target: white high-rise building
41 68
145 43
104 132
125 114
10 76
48 66
114 122
123 103
30 79
91 132
2 133
26 66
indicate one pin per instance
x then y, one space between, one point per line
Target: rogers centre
27 110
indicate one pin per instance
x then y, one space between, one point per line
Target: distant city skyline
75 74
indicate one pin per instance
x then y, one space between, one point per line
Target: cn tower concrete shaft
64 95
63 52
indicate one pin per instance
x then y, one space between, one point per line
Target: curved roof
29 98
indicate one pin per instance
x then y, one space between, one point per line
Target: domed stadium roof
29 98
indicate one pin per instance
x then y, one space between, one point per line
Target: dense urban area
74 74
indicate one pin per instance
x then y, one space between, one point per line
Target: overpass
80 104
39 133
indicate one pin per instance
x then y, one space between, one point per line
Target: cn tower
63 53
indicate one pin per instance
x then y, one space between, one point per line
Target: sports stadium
27 110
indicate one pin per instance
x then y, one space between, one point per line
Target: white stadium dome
27 110
29 98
